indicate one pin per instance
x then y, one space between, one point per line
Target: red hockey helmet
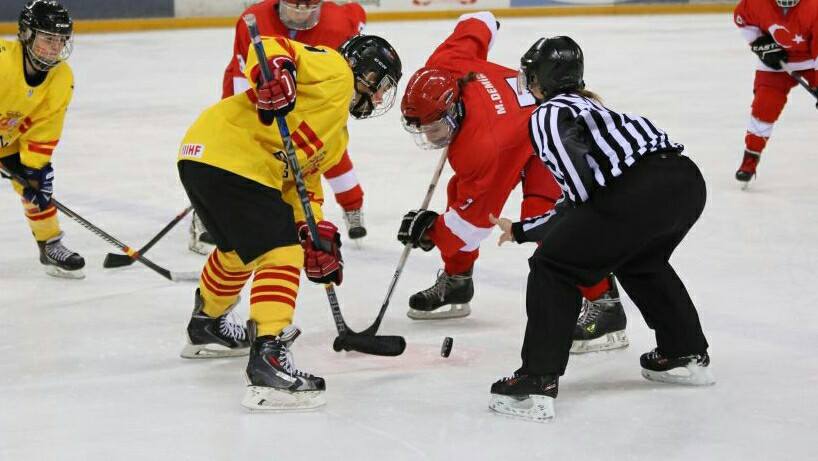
430 107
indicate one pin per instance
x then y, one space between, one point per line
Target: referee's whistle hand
505 225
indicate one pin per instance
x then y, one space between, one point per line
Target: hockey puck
446 347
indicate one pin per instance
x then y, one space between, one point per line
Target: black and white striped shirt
586 146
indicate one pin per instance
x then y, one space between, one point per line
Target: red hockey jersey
796 31
491 148
337 24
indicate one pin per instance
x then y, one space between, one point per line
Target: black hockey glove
414 226
769 51
41 186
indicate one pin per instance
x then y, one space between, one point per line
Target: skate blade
538 408
211 351
454 311
55 271
689 375
613 340
260 398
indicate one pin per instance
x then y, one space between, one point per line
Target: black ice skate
601 324
209 337
354 220
59 261
201 241
273 382
692 370
525 396
747 170
454 291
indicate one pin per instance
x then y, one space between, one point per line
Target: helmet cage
299 15
46 49
378 98
787 3
434 135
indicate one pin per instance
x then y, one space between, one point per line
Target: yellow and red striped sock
272 298
222 279
44 224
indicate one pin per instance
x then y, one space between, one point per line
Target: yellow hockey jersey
228 135
31 118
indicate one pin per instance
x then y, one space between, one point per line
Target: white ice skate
539 408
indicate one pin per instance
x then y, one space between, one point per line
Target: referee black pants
629 228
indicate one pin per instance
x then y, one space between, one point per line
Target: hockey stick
172 276
350 340
801 81
408 247
121 260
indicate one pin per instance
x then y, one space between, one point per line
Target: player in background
233 168
777 30
471 106
36 89
313 22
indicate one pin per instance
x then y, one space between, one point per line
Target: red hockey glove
319 265
276 97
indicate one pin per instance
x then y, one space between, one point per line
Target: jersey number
525 99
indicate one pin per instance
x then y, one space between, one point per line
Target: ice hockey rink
90 369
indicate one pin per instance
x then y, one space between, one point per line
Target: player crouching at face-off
463 102
312 22
234 171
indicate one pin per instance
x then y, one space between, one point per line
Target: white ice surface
90 369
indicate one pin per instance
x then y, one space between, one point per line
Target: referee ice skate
629 198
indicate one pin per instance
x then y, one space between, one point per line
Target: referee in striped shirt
629 198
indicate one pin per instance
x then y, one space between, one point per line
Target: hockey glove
769 51
414 226
322 265
276 97
40 186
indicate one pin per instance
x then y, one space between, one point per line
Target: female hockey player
629 198
467 104
777 30
313 22
34 96
232 166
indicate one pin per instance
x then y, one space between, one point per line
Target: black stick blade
115 260
389 346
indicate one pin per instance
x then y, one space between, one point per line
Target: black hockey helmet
552 65
50 20
377 69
